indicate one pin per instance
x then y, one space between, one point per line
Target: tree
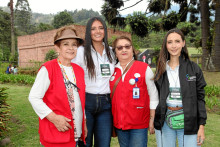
44 27
62 19
23 15
5 35
206 43
10 4
210 48
216 48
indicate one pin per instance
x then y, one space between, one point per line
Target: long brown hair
164 54
88 42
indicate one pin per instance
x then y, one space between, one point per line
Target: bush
51 54
4 110
212 97
20 79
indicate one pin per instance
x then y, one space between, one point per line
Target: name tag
175 93
136 93
105 70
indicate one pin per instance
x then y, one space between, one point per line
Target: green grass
24 123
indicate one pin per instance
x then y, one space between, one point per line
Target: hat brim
70 37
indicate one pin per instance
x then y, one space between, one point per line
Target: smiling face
174 44
97 31
124 50
67 50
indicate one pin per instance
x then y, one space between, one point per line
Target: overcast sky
54 6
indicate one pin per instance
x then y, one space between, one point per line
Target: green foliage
212 90
4 110
170 21
139 23
20 79
110 40
5 36
62 19
82 16
51 54
23 16
44 27
212 96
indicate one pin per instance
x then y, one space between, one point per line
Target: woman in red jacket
134 96
58 94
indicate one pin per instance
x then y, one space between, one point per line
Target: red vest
56 99
129 113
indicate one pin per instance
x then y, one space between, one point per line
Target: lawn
24 122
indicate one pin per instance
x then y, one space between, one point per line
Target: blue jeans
132 138
169 136
98 120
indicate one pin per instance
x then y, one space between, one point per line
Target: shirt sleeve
38 90
151 88
79 56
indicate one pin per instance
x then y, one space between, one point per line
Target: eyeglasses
121 47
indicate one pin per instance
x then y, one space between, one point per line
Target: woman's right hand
60 122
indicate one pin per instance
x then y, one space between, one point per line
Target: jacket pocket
50 133
139 114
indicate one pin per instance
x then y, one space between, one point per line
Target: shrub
212 97
20 79
51 54
4 110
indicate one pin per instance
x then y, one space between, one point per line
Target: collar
119 66
168 68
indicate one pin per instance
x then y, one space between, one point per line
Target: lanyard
62 68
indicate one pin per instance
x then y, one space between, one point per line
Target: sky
54 6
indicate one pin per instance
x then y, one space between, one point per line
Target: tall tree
10 4
216 48
5 36
62 19
205 26
23 15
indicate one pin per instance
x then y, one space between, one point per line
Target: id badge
105 70
136 93
175 93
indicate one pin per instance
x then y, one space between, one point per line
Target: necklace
62 68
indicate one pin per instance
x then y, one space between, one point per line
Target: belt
108 94
174 108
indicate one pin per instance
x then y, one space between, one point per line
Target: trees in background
142 25
5 35
23 16
62 19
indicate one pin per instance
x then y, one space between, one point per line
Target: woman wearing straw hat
58 94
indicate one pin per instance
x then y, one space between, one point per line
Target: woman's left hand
200 135
151 126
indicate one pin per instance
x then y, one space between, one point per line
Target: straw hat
69 34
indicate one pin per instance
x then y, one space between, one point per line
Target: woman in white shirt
96 58
58 94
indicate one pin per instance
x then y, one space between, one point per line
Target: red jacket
129 113
56 99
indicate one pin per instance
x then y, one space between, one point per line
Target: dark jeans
132 138
98 120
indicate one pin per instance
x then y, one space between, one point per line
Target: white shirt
151 87
40 87
98 85
173 77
